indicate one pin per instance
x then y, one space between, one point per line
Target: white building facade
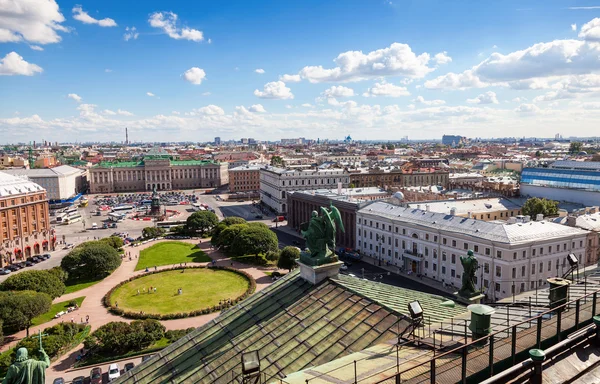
513 257
276 183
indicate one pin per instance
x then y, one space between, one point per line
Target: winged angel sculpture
319 233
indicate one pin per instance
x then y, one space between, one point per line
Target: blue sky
78 71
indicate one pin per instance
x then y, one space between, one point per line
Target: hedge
180 315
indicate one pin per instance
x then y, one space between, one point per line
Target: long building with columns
160 172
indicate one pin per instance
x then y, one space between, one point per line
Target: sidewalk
288 230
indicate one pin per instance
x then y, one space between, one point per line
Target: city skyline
375 70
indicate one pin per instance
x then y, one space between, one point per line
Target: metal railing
479 359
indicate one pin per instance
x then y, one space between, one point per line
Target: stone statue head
314 214
21 354
470 252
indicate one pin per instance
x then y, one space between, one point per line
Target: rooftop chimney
539 217
571 221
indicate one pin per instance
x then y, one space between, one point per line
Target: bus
116 216
83 203
123 208
71 219
60 217
169 224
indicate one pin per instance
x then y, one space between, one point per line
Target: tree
227 237
535 205
351 185
202 221
288 257
114 241
39 281
276 160
226 222
152 232
254 240
121 337
19 308
538 154
575 147
94 259
60 273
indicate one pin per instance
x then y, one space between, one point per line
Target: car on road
69 246
147 357
113 372
128 367
46 256
113 225
278 219
28 263
59 380
259 216
96 375
78 380
344 267
4 271
14 267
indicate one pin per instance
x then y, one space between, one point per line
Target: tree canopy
226 222
288 257
575 147
535 205
202 221
39 281
120 337
152 232
91 260
18 308
254 240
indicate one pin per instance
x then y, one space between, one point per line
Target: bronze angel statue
319 233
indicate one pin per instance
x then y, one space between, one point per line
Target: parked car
344 267
46 256
96 375
113 225
78 380
147 357
4 271
113 372
28 263
59 380
69 246
128 367
278 219
259 216
14 267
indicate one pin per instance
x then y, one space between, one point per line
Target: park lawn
78 285
169 253
202 288
54 309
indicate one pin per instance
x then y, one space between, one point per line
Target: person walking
87 319
155 267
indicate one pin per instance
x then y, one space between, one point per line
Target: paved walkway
99 315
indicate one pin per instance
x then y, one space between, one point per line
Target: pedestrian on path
155 267
87 319
82 320
72 319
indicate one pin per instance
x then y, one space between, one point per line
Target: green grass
78 285
169 253
54 309
202 287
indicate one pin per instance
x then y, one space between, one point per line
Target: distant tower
126 137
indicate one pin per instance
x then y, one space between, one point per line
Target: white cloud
13 64
211 110
109 112
421 100
176 112
150 94
274 90
290 78
194 75
338 91
386 89
485 98
554 95
590 31
527 68
75 97
124 113
131 33
527 109
308 105
396 60
81 15
36 47
573 27
34 21
288 106
257 108
442 58
206 93
519 99
167 21
259 71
